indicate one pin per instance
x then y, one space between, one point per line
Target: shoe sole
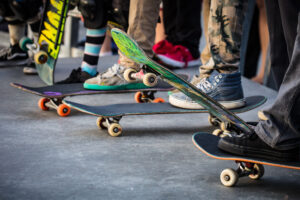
130 86
193 105
256 153
171 62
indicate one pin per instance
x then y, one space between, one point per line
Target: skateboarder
277 135
220 77
18 14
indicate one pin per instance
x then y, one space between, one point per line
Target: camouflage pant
225 25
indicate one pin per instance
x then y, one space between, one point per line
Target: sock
16 32
94 40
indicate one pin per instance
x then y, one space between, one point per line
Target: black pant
182 23
282 129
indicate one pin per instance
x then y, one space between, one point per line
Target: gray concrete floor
44 156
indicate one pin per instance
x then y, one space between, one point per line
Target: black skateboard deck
54 94
110 115
251 167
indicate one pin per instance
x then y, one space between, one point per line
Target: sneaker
13 56
30 69
76 76
224 88
112 79
162 47
173 57
251 145
190 60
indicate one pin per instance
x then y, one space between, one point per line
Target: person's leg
277 135
205 54
141 28
225 34
95 20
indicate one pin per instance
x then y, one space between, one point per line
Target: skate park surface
44 156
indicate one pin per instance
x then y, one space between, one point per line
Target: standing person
277 135
18 14
143 16
183 30
220 77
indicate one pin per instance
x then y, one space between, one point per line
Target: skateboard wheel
217 132
223 126
150 80
101 123
229 177
259 171
115 130
158 100
23 42
40 57
128 75
138 97
213 120
42 103
63 110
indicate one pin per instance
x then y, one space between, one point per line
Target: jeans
282 128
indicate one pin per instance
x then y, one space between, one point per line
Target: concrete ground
44 156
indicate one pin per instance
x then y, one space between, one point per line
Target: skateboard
109 116
247 166
50 37
129 48
53 95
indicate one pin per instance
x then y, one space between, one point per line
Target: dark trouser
182 23
282 129
100 12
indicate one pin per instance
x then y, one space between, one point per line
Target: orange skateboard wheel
138 97
42 103
158 100
63 110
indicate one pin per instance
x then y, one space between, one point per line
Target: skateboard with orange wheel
47 48
247 166
109 116
52 96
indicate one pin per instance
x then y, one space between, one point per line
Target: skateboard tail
130 49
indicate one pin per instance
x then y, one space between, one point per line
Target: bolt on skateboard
52 96
218 113
247 166
109 116
47 48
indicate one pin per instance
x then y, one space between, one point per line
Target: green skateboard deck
247 166
110 115
50 39
130 49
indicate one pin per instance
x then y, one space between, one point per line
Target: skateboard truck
111 124
148 78
40 56
56 103
229 177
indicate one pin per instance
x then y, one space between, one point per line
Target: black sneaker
13 56
76 76
251 145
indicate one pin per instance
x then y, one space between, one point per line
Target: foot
175 56
30 69
76 76
112 79
251 145
224 88
13 56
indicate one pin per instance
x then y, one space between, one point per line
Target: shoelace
116 69
204 85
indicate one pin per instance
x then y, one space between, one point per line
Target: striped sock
94 40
